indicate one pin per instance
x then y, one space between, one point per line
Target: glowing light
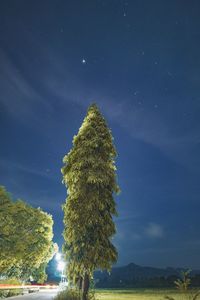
61 266
58 256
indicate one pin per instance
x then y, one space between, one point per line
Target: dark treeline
135 276
156 282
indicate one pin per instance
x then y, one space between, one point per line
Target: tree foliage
90 177
25 237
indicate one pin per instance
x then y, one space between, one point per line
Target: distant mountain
134 275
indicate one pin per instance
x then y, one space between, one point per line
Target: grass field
138 294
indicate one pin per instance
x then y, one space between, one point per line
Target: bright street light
61 266
58 256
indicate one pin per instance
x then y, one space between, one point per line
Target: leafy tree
89 175
25 237
39 275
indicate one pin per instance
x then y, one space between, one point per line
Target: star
83 61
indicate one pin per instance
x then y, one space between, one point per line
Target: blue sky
142 69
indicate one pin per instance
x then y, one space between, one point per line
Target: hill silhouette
133 275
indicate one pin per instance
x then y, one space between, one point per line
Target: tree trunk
85 286
80 282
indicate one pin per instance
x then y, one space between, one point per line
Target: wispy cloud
153 126
11 165
124 217
156 127
48 203
154 230
140 233
135 236
18 97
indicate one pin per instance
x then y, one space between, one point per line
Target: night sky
139 60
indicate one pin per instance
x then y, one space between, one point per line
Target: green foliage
68 295
73 294
12 292
25 237
5 197
89 175
39 275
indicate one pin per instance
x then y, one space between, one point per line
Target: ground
138 294
42 295
134 294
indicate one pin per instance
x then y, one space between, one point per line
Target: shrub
72 294
12 292
68 295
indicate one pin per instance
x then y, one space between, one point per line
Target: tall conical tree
89 175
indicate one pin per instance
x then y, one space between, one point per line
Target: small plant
183 286
74 294
69 294
169 298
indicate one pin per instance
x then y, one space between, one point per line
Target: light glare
61 266
58 256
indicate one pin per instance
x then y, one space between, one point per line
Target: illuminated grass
137 294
